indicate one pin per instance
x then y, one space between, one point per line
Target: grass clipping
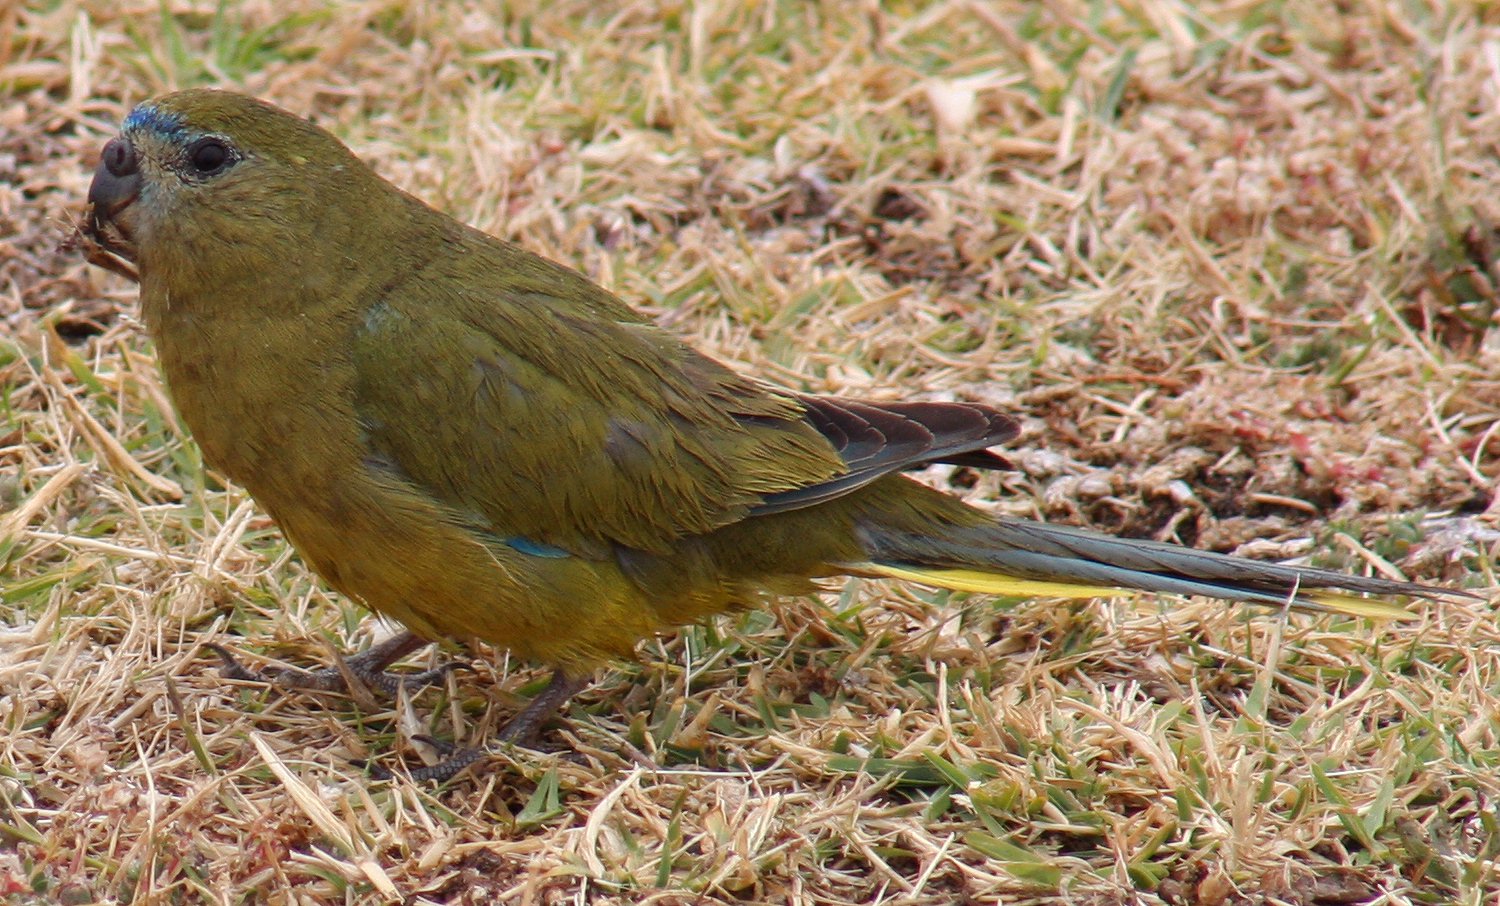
1232 263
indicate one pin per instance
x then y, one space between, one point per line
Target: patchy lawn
1232 263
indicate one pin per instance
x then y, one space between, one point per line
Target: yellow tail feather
974 580
988 583
1355 605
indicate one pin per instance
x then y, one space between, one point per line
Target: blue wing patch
534 548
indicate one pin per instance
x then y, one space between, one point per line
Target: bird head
205 184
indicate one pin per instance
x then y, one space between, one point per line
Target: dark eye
209 155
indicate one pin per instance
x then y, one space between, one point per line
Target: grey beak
116 183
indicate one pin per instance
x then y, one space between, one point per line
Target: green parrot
480 443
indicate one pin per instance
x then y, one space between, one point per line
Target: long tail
1015 557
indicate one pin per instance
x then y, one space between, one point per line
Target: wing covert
572 421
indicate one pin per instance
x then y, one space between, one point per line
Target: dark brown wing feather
876 439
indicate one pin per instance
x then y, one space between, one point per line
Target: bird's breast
269 400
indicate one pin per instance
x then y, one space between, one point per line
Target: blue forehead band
147 117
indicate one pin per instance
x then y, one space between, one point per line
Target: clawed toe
368 667
522 730
455 760
232 668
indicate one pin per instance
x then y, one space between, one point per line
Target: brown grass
1232 263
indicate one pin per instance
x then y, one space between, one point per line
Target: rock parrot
478 442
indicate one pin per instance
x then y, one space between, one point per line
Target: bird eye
209 156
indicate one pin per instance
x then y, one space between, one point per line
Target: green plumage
482 443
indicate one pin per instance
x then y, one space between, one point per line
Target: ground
1232 264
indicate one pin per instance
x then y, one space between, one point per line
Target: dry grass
1232 262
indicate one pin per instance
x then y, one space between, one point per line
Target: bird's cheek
119 232
127 220
139 225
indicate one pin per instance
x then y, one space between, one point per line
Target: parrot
480 443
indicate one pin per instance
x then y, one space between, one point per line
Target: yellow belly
402 556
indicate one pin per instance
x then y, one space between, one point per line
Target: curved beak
117 183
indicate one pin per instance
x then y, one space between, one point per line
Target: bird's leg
368 667
521 730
